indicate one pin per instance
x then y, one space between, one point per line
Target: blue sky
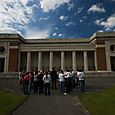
39 19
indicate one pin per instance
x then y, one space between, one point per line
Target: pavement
55 104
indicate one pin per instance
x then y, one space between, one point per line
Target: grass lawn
100 103
9 101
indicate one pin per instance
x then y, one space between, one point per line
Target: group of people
43 81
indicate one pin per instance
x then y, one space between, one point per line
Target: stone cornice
54 41
103 36
55 47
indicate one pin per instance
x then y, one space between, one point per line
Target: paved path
55 104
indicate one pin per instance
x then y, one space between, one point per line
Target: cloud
22 1
43 18
60 35
81 21
96 8
37 34
70 23
100 31
14 14
62 18
108 24
54 34
9 30
48 5
79 10
70 6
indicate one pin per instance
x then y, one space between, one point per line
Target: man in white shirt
61 81
81 77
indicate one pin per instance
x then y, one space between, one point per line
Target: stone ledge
9 75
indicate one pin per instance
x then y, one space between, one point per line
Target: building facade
89 54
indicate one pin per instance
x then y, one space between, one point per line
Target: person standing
47 80
25 83
40 81
35 82
81 77
61 81
68 83
54 78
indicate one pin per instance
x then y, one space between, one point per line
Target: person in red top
25 83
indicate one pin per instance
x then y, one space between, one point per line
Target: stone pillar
6 63
95 60
62 60
19 58
28 61
85 61
108 61
74 60
39 60
51 61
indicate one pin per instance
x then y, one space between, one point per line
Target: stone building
96 53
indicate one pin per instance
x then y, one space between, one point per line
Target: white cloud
98 22
22 1
79 10
60 35
14 14
81 21
8 30
56 28
96 8
70 6
62 18
54 34
100 31
37 34
70 23
43 19
108 24
48 5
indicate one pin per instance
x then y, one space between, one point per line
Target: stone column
85 61
95 60
51 61
28 61
108 61
19 58
6 63
39 60
74 60
62 60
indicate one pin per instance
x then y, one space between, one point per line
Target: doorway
2 64
113 63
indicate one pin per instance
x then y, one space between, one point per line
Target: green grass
100 103
9 101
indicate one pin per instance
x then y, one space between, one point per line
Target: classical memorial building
96 53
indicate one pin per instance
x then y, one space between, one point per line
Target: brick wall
13 60
101 59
